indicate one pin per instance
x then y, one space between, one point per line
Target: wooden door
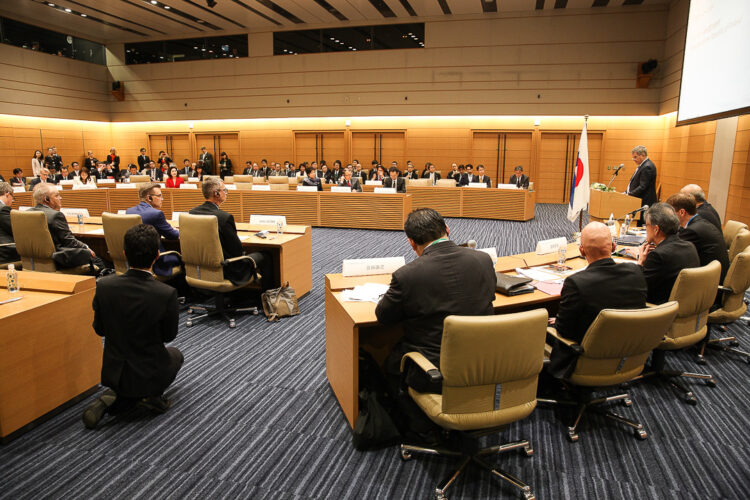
383 147
500 152
177 146
332 147
305 147
393 148
557 156
215 144
317 146
365 147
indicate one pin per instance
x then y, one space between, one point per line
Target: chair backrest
115 227
244 186
278 179
731 228
442 182
279 187
229 179
738 279
243 178
293 180
490 366
740 243
33 241
184 177
136 179
695 291
618 343
201 248
420 182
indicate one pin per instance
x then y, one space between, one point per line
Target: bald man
604 284
704 208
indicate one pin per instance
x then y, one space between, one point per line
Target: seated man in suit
663 255
44 177
604 284
132 170
708 241
150 211
187 168
410 172
519 178
454 174
136 315
312 180
49 201
350 181
394 181
64 174
704 208
431 174
104 171
466 282
240 272
7 253
480 177
335 174
76 170
18 180
155 173
465 177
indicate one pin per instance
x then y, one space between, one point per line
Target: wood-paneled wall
738 203
670 64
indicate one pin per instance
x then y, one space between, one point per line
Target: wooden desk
351 325
50 356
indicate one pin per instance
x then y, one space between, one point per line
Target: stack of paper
369 292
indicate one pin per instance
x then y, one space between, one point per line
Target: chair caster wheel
527 495
232 324
189 324
440 496
691 399
255 313
701 360
734 343
627 402
181 301
641 434
190 310
711 382
405 455
572 436
528 450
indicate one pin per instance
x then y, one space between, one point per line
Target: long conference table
353 325
366 210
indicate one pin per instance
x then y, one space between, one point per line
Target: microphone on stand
642 209
617 171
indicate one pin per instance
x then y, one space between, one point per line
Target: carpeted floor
253 416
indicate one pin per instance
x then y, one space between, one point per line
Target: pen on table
11 300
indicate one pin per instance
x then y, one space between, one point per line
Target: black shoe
157 404
94 413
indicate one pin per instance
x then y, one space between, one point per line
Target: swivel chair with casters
695 292
35 246
204 267
740 242
730 230
489 367
613 351
733 305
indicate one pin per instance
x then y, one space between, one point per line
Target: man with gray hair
704 208
663 255
643 181
7 249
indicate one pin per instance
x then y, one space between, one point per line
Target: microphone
642 209
617 171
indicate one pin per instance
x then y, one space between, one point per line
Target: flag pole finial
586 118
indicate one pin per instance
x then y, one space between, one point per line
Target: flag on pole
579 188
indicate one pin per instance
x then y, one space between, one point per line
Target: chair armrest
170 252
237 259
424 364
725 289
8 245
553 333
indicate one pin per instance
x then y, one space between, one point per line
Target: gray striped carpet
253 417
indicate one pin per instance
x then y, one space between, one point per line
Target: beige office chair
229 179
740 242
613 350
34 243
293 180
278 183
115 227
204 266
184 177
244 186
418 182
248 179
733 305
443 182
731 228
489 367
695 292
138 179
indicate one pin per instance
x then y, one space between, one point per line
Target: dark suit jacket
522 181
604 284
59 229
238 272
354 184
188 171
463 179
208 163
413 175
113 162
143 161
90 163
664 263
37 180
158 174
153 217
313 182
53 161
709 213
643 183
7 254
15 181
333 176
400 184
446 279
485 179
137 315
426 175
708 241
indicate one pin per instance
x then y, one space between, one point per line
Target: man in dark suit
44 177
703 207
136 315
431 174
394 181
150 211
480 177
90 162
312 180
454 174
708 241
143 160
643 182
334 175
663 255
350 181
187 168
465 177
410 172
53 160
49 201
7 253
242 271
518 178
18 180
155 173
604 284
207 160
76 172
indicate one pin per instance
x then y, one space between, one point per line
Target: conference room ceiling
111 21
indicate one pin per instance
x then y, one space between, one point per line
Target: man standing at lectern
643 182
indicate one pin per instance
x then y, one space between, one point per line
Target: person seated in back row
7 252
394 181
480 177
703 207
518 178
136 315
431 174
312 180
350 181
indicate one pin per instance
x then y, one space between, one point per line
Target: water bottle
611 224
624 227
12 279
278 228
562 250
80 219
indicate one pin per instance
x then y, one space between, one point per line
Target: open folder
513 285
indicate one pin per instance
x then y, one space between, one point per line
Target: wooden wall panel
670 64
738 202
686 157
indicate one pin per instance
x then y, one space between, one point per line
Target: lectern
604 203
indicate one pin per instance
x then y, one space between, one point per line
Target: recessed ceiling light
167 7
154 2
51 4
68 10
84 15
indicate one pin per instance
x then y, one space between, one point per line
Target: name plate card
479 185
507 186
309 189
188 186
367 267
262 187
106 181
193 179
373 183
121 212
84 186
268 220
550 246
66 182
19 189
385 190
230 187
341 189
75 211
126 186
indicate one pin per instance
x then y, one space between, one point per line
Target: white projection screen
716 65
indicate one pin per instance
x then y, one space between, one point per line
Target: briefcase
512 285
279 302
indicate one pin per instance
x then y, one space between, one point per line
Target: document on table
538 274
369 292
96 231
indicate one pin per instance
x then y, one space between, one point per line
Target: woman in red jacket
174 179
